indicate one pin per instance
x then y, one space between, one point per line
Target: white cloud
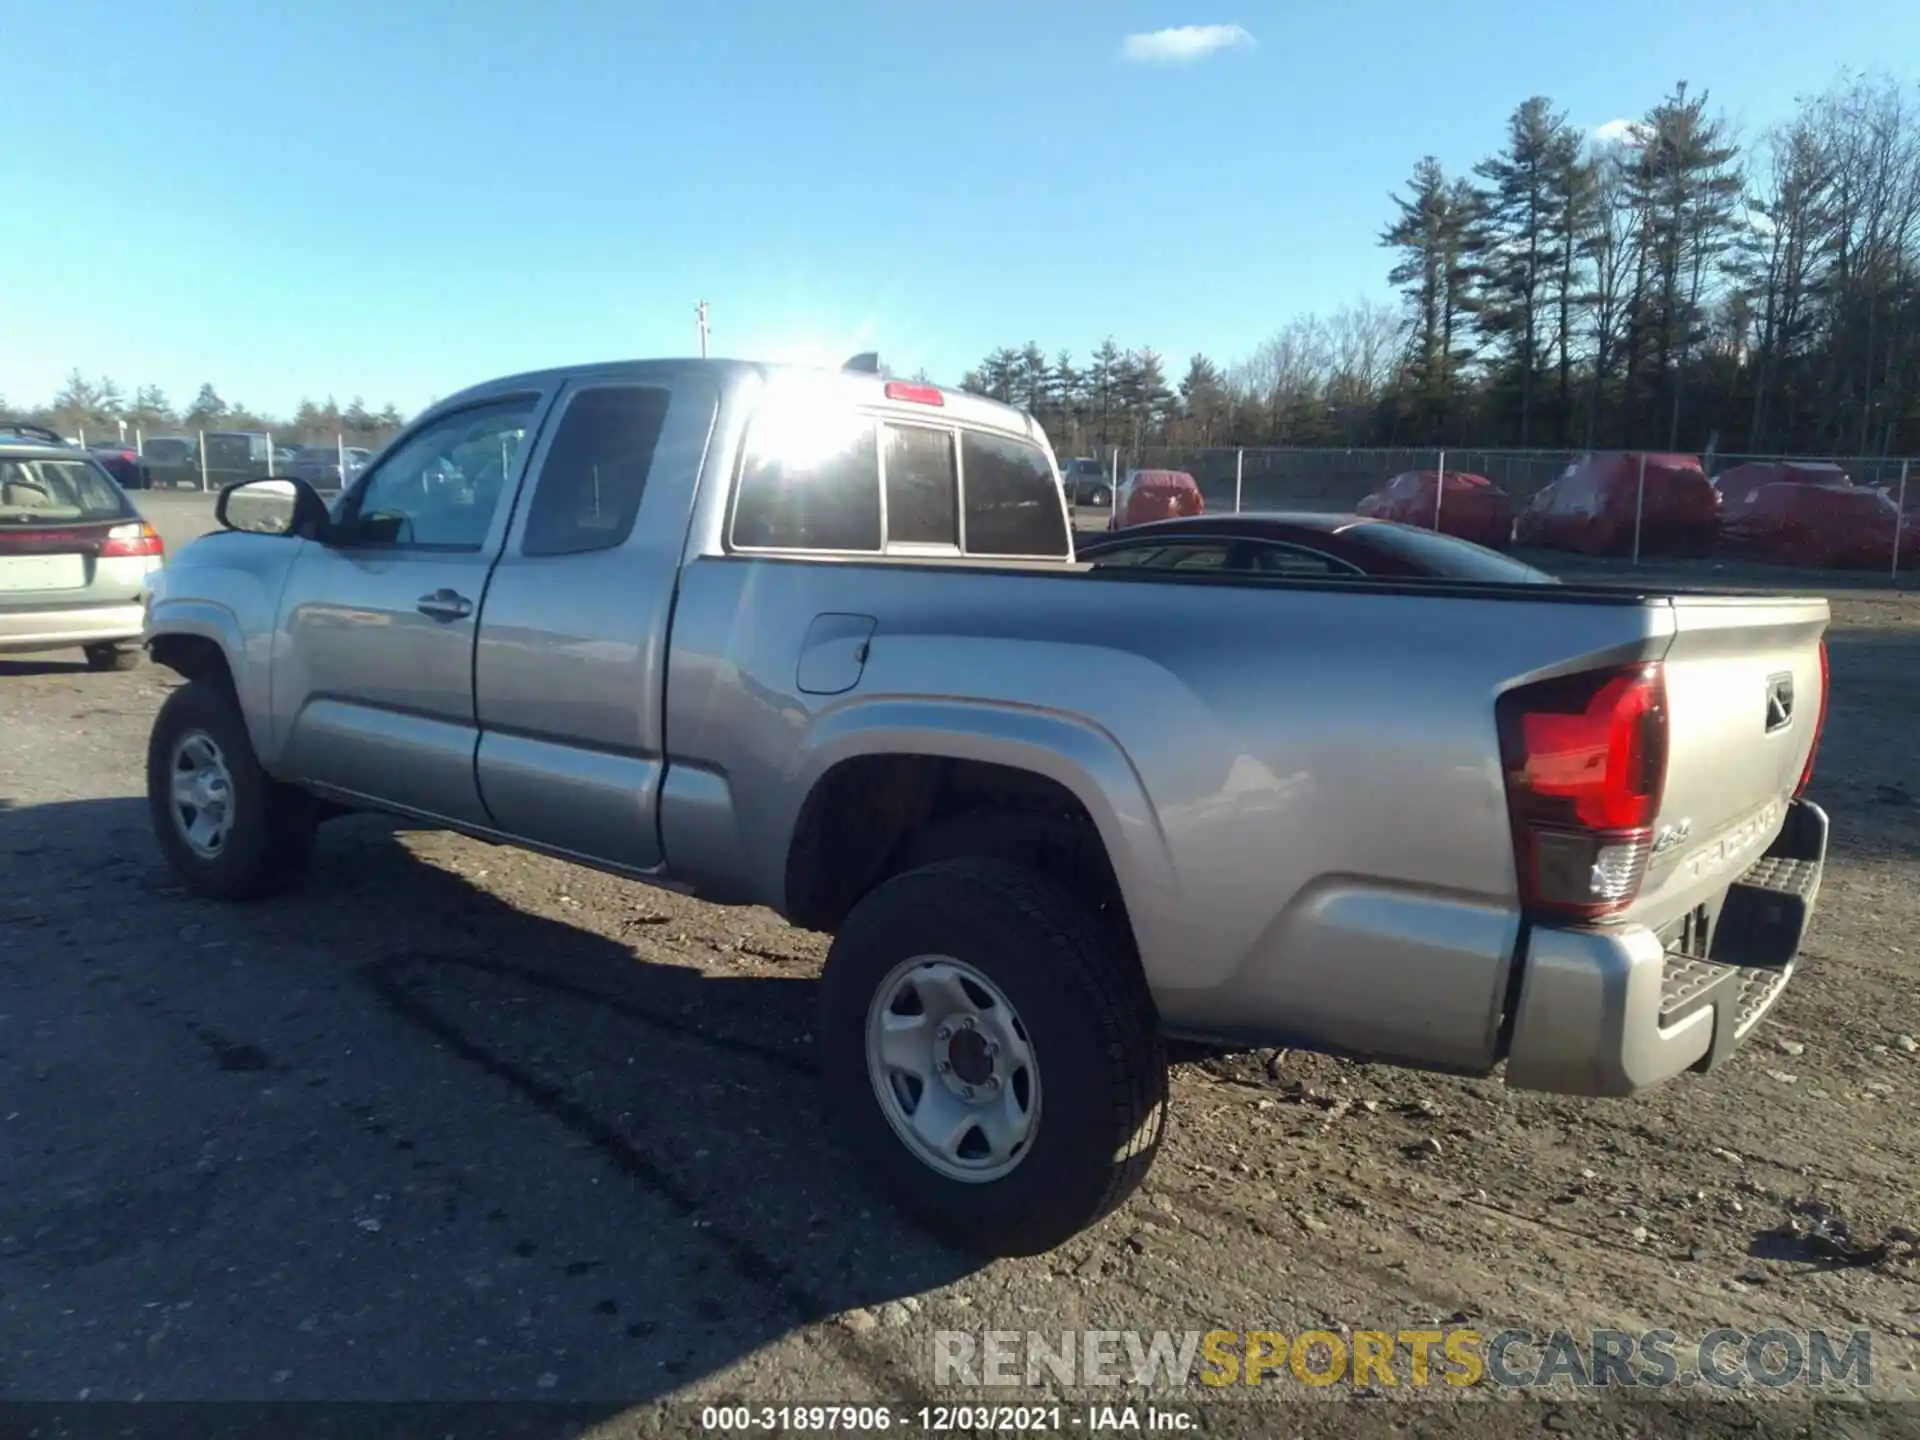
1618 132
1183 44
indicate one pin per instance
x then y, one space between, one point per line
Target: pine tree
1434 232
1102 385
207 410
1687 186
1520 243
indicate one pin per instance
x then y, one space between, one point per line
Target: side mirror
277 505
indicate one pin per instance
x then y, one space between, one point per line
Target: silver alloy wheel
202 794
953 1068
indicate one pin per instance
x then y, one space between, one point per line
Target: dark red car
1149 495
1590 509
1470 506
1309 546
123 462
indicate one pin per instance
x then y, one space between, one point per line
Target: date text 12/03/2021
945 1419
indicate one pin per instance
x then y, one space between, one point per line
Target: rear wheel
113 657
229 830
990 1054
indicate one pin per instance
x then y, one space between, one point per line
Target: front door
374 674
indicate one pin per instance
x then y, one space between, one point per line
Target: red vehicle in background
1835 527
1469 507
1738 483
1590 508
123 462
1147 495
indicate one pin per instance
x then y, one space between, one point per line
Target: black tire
1101 496
1082 1002
271 838
114 657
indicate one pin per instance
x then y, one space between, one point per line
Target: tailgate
1745 693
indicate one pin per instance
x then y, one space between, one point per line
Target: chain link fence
1335 481
1332 481
197 459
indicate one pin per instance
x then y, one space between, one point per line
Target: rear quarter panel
1300 789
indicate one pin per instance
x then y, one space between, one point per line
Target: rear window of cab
835 481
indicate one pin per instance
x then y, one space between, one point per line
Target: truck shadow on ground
12 669
641 1141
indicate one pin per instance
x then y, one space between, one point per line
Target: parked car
1088 482
320 467
234 456
122 462
1469 506
1325 546
1155 495
1590 509
125 465
76 558
1838 527
1737 483
1050 812
172 461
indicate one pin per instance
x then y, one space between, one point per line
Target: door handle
445 605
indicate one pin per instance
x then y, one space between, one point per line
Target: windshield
1447 558
54 492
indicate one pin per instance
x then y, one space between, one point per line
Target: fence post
1239 473
1900 519
139 443
1439 489
1639 505
83 437
270 465
1113 489
203 462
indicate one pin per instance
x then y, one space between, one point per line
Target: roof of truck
864 387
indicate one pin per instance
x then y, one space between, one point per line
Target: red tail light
1586 762
915 394
1819 727
139 538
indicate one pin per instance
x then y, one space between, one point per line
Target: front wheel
228 829
991 1055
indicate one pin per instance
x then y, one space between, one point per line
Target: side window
1285 560
1012 505
1188 555
809 480
923 500
1139 557
441 488
596 470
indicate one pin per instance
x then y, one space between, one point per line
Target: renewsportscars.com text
1455 1357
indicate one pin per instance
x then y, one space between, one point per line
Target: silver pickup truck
817 641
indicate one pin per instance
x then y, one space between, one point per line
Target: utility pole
700 311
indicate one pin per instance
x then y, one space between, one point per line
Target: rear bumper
30 630
1613 1011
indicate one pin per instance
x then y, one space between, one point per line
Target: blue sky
341 196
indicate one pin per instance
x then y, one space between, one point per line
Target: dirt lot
458 1123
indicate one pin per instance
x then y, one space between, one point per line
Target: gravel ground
453 1122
